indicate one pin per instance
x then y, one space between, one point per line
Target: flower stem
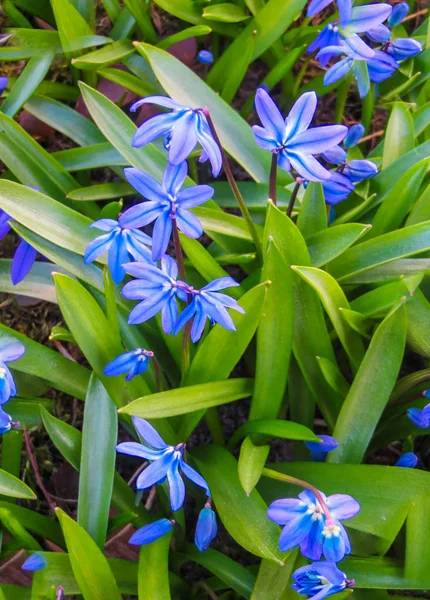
185 363
290 479
292 199
272 180
228 172
33 462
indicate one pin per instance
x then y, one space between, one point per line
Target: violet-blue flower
35 562
206 528
122 243
3 84
291 140
6 422
24 256
152 532
381 67
157 290
319 580
319 450
166 203
409 460
209 303
399 12
166 462
205 57
135 362
183 129
420 418
305 524
10 350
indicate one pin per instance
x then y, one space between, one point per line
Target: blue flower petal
151 533
316 6
97 247
337 71
318 139
357 170
183 139
149 308
154 128
195 477
146 185
354 135
418 418
263 138
295 531
312 545
300 116
161 234
335 155
164 101
174 177
117 257
22 262
194 195
308 167
136 249
205 57
176 486
358 49
188 223
368 16
11 349
155 472
342 506
408 460
398 14
211 149
185 316
139 450
148 433
199 323
345 11
404 48
269 115
327 444
5 419
380 34
169 315
285 510
122 363
142 214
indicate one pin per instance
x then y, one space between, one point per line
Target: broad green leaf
398 203
287 430
129 81
35 522
102 191
274 581
191 12
256 195
26 411
371 389
110 54
313 214
421 210
184 400
98 454
417 535
27 83
221 350
224 223
185 34
91 157
60 372
252 460
237 71
400 268
141 13
333 376
90 567
379 301
14 487
274 333
399 136
226 13
71 24
333 298
243 516
17 531
153 574
383 249
37 284
356 321
327 244
418 311
235 134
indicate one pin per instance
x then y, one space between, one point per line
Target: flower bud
3 84
150 533
335 155
206 528
399 12
404 48
319 450
35 562
357 170
380 34
205 57
408 460
337 188
354 135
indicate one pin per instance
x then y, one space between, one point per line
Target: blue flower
205 57
319 580
150 533
354 56
381 67
122 244
420 418
291 140
398 14
3 84
136 362
408 460
206 529
208 303
6 423
183 129
10 350
157 289
35 562
403 48
305 523
354 135
167 203
357 170
318 450
24 256
166 462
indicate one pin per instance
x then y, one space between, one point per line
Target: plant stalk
292 200
272 180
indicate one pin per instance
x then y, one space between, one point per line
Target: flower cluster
368 64
167 464
10 350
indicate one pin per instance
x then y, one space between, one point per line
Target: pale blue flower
403 48
10 350
135 362
319 580
420 418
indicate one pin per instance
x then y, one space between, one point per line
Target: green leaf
421 210
287 430
129 81
326 245
185 34
188 399
237 71
333 376
274 581
381 250
71 24
102 191
252 460
313 214
371 389
36 523
110 54
98 454
226 13
393 270
399 136
418 311
417 532
37 284
243 516
91 157
62 373
378 302
220 222
153 574
256 195
333 299
14 487
90 567
274 334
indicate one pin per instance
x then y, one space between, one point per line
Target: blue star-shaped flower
122 244
292 140
420 418
166 203
305 523
209 303
10 350
135 362
166 462
183 129
319 580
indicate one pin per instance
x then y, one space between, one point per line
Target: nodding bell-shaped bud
35 562
409 460
3 84
404 48
337 188
354 135
206 528
398 14
205 57
151 533
319 450
335 155
357 170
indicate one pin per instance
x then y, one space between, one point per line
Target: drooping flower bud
205 57
404 48
320 450
35 562
408 460
357 170
398 14
354 135
151 533
206 528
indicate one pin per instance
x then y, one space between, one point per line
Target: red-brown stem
272 180
308 486
292 200
33 462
